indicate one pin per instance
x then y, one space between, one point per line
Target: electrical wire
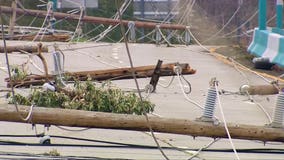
184 93
122 9
225 123
10 76
169 83
45 19
79 22
239 27
164 37
72 130
3 69
227 23
95 58
136 82
113 144
146 36
205 147
250 97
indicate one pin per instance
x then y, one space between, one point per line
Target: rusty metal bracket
156 75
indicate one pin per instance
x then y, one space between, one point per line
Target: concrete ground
170 102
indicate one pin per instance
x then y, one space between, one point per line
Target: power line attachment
132 33
187 37
158 35
278 112
210 104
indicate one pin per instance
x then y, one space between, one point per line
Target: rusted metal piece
101 75
19 48
91 19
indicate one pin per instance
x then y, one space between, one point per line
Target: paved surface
170 102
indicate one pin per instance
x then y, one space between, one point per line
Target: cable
197 41
164 37
29 114
129 145
225 123
250 97
205 147
94 57
169 84
72 130
136 82
226 24
236 29
264 111
45 19
9 72
29 60
122 9
79 22
92 30
147 35
3 69
184 93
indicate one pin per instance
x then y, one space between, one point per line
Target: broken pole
78 118
108 74
19 48
91 19
261 89
61 37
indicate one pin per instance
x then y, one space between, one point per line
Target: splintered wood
101 75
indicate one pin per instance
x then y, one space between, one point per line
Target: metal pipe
279 14
262 5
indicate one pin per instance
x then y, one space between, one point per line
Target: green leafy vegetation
89 97
18 73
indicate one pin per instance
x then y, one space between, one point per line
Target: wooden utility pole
262 89
108 74
77 118
13 19
91 19
61 37
26 48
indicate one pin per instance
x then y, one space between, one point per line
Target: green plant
18 73
89 97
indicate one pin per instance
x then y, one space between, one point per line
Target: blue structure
269 43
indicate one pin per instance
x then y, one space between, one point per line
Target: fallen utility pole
101 75
61 37
77 118
19 48
91 19
263 89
